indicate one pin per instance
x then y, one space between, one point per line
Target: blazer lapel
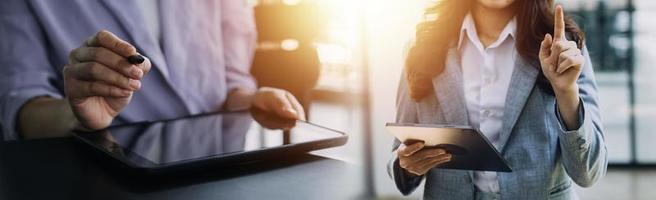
521 84
134 25
449 91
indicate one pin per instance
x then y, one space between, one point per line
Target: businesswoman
519 72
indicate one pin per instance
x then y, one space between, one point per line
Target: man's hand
276 108
417 160
99 80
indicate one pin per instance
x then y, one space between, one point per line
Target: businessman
63 64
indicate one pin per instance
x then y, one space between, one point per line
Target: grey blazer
545 158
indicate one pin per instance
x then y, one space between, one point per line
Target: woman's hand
561 60
417 161
99 80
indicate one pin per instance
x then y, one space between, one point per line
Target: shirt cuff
405 182
11 103
577 138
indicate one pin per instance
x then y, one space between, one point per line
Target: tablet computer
205 140
470 149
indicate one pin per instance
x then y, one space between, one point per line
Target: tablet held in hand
470 150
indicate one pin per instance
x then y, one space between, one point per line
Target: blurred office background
358 51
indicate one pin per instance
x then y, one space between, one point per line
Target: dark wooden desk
63 169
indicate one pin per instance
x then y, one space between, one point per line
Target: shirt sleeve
239 40
583 150
406 183
406 112
25 70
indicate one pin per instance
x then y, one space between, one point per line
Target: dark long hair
435 36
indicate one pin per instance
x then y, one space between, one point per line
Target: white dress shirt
150 11
486 77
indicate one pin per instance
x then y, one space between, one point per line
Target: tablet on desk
470 149
212 140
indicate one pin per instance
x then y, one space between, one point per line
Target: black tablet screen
198 137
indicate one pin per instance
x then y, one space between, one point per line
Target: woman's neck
490 22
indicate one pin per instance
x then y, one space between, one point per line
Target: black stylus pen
136 59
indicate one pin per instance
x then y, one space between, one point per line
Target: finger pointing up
559 24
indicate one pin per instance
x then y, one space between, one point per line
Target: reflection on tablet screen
199 137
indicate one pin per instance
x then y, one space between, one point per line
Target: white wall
645 57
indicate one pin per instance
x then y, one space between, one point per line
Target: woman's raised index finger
559 23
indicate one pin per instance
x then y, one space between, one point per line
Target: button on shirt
486 77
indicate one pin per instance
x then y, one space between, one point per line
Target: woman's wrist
568 103
569 90
568 97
